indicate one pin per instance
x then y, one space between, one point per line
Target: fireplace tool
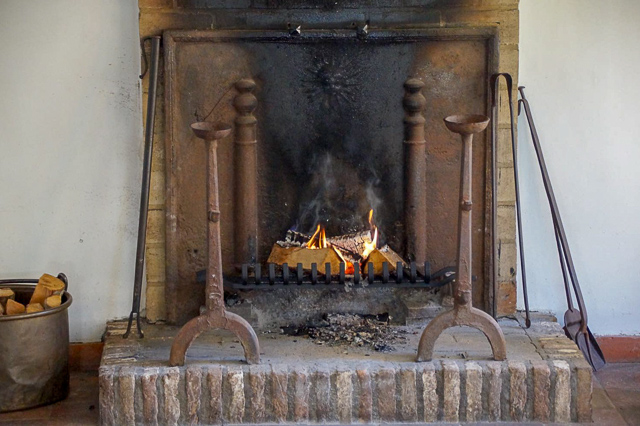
463 314
146 180
575 320
215 315
495 79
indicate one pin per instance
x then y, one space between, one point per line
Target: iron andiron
463 313
215 315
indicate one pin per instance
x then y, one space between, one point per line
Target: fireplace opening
339 182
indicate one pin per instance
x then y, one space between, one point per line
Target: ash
369 331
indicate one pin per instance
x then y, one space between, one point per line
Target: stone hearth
545 379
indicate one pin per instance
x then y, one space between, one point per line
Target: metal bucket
34 352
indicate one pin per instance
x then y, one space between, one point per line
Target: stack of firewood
47 295
356 250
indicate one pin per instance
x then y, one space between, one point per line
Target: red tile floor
616 400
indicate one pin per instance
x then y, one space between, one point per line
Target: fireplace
328 128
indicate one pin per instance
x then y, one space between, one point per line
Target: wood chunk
6 294
53 301
384 254
294 255
47 286
14 308
353 243
34 307
1 310
294 239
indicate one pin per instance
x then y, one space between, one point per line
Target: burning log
294 255
354 244
384 254
294 239
14 308
48 285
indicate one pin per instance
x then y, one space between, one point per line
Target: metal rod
514 150
415 170
246 174
146 183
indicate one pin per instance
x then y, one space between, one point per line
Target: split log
383 254
48 285
294 239
1 310
294 255
6 294
53 301
14 308
353 243
34 307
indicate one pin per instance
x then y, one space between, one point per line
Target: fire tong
215 315
463 314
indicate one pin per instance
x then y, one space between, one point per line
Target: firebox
337 145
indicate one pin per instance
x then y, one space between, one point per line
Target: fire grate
252 277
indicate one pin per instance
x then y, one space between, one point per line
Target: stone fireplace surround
159 15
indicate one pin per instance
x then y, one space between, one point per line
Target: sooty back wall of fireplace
329 142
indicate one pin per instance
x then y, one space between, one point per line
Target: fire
370 246
319 239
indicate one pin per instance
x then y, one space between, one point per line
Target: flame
370 246
318 239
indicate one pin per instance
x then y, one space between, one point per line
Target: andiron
215 315
463 314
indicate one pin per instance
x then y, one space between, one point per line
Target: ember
372 331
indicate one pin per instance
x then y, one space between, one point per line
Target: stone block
300 395
256 394
233 397
155 4
365 400
408 395
386 394
213 377
430 392
541 391
505 156
344 396
507 297
562 388
148 381
107 396
279 396
154 22
473 391
170 383
494 390
126 391
584 390
451 391
506 186
322 395
517 390
507 224
507 255
155 306
156 190
193 382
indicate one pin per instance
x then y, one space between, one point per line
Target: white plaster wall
580 63
71 150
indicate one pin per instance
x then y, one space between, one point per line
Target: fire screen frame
178 309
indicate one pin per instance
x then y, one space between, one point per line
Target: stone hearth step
545 379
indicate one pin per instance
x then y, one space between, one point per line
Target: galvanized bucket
34 352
